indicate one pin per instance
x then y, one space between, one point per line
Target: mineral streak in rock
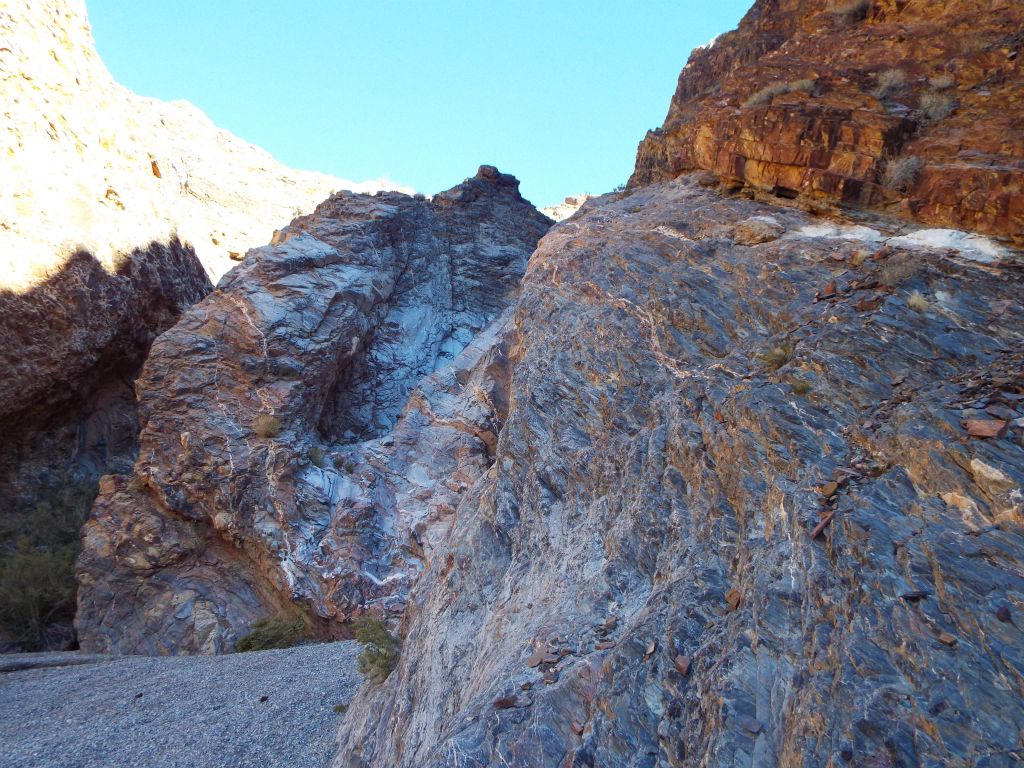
308 429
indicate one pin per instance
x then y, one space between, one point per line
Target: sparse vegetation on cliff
766 94
900 173
270 633
847 12
267 425
380 648
38 546
889 83
935 106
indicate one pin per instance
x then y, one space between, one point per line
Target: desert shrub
847 12
918 302
267 425
37 588
316 455
900 173
270 633
380 648
936 106
890 82
766 94
799 386
777 356
942 82
39 542
343 464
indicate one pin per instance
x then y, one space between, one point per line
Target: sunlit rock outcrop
911 107
88 164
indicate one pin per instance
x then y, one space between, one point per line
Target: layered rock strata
757 500
914 107
308 429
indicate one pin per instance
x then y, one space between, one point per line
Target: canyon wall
757 501
911 107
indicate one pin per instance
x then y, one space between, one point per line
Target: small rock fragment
512 702
829 489
652 646
682 664
984 427
751 724
577 727
732 597
947 639
821 526
1003 613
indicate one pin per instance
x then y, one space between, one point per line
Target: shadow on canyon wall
73 346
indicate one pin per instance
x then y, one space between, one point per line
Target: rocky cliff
88 164
308 428
913 107
756 501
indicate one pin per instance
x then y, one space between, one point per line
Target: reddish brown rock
799 101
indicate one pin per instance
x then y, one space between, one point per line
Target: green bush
39 542
380 648
316 455
343 464
270 633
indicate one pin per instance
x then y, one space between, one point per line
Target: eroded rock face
734 516
88 164
273 465
816 98
72 347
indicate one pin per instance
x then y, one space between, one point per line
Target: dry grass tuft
766 94
777 356
901 172
936 106
917 302
267 425
942 82
890 82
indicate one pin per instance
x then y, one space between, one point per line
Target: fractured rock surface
72 346
815 98
735 514
268 471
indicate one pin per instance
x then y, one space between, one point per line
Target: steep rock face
88 164
72 346
735 515
268 470
817 98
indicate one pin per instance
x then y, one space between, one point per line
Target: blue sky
558 93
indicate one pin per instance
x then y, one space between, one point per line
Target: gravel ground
265 709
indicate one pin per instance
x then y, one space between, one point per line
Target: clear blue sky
558 93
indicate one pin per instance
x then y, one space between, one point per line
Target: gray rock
261 486
661 463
